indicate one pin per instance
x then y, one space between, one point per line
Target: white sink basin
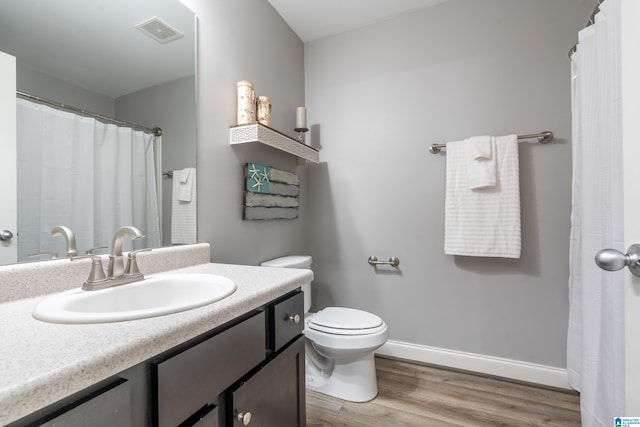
154 296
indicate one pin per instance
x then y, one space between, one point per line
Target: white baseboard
489 365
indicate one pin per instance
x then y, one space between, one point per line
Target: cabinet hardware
294 318
244 418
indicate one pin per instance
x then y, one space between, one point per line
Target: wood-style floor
413 395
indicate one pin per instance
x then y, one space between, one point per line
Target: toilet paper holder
393 261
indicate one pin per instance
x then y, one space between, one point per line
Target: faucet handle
131 269
96 275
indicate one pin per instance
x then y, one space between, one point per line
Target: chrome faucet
117 273
116 262
70 239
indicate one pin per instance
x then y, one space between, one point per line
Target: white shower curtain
82 173
595 343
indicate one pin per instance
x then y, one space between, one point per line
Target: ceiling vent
159 30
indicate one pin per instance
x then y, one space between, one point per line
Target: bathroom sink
154 296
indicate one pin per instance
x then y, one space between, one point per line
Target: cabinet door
188 381
275 395
111 407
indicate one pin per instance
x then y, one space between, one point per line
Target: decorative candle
246 103
264 110
301 118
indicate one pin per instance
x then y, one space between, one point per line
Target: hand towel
484 223
481 162
183 213
186 183
479 147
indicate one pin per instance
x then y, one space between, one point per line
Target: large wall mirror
89 55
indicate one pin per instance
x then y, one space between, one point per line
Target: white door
8 193
631 143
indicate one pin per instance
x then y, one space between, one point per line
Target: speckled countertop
41 363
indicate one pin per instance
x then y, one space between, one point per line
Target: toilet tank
295 261
291 261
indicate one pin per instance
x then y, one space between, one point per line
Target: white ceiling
93 43
315 19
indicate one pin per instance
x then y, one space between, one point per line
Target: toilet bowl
340 345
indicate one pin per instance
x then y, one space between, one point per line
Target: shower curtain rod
155 131
542 137
591 21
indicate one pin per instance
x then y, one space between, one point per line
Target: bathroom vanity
238 361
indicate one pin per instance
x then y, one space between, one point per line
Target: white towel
186 183
183 213
480 147
481 162
483 222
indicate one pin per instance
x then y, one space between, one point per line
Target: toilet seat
346 321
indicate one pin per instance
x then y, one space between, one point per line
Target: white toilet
340 344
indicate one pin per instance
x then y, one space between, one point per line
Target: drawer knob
244 418
295 319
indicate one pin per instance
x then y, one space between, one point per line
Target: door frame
8 168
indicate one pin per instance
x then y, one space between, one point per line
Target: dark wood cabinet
254 364
285 318
121 400
275 395
109 407
207 417
189 380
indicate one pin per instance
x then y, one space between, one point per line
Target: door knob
613 260
6 235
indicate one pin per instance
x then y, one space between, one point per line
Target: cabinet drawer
189 380
283 318
111 407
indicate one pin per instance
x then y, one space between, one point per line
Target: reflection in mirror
79 173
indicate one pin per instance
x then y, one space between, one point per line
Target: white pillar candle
246 103
301 118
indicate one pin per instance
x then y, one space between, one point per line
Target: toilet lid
345 319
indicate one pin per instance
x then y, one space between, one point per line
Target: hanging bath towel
483 222
184 207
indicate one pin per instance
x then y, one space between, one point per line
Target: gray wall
244 40
377 98
172 107
36 83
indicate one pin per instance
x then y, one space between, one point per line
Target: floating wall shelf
255 132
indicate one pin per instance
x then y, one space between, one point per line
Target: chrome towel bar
542 137
393 261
